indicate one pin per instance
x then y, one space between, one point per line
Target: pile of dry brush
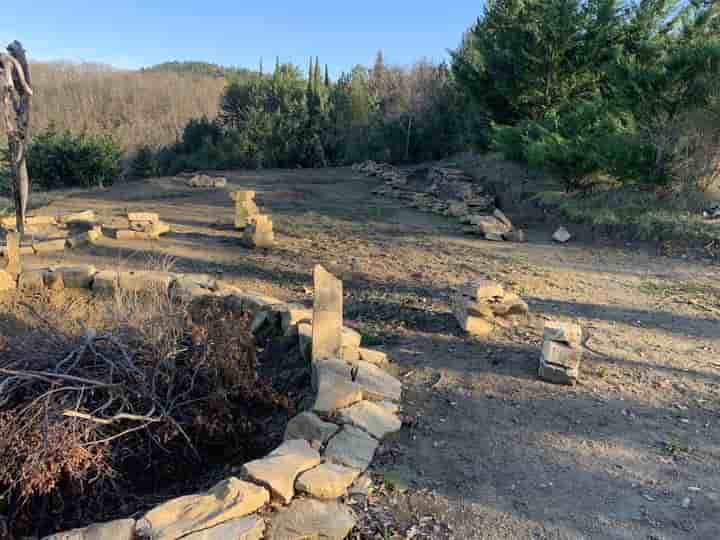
167 388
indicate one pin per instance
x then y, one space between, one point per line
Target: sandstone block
246 528
7 281
280 468
49 246
310 519
559 354
309 427
376 383
125 234
326 481
228 500
88 216
292 316
333 384
569 333
143 216
122 529
373 357
351 447
557 374
77 277
483 289
375 419
327 315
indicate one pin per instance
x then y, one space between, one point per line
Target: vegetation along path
487 450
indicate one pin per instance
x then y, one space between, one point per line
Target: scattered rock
477 305
561 235
568 333
310 519
49 246
279 469
228 500
376 383
372 356
561 355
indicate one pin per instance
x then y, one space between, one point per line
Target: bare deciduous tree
15 100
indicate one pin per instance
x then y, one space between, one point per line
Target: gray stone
145 281
77 277
310 427
279 469
327 315
106 282
561 235
557 374
228 500
326 481
122 529
351 447
376 383
309 519
246 528
377 420
500 215
569 333
334 387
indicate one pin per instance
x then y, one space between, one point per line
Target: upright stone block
327 315
12 252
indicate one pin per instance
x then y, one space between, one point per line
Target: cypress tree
327 77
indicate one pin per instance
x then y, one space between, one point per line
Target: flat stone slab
377 420
228 500
280 468
150 217
326 481
563 332
145 281
376 383
77 277
311 428
247 528
333 384
310 519
558 375
561 355
372 356
351 447
122 529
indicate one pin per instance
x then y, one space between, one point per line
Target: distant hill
201 69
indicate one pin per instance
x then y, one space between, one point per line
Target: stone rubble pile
257 228
297 491
50 234
445 191
206 181
561 353
482 305
143 226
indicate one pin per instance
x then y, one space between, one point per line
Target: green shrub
144 164
57 160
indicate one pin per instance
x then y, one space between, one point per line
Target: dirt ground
487 450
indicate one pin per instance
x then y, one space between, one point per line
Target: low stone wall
294 492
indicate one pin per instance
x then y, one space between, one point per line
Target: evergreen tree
327 77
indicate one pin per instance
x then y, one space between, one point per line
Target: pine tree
327 77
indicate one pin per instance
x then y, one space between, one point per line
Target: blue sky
134 33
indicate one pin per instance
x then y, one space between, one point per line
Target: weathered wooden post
15 100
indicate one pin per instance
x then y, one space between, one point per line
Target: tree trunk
407 140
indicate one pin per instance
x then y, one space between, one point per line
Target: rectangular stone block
143 216
327 315
49 246
88 216
12 253
561 355
125 234
562 332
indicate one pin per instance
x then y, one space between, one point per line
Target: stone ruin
257 228
143 226
296 491
482 305
49 234
449 192
561 353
